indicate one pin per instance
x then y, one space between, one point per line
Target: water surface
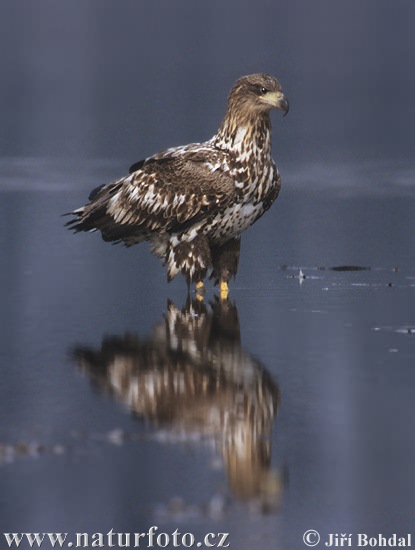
287 408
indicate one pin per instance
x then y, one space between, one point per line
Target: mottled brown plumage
193 202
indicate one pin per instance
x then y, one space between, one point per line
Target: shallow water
288 408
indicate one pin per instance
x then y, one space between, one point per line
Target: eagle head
257 93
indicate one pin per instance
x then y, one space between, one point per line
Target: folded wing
165 193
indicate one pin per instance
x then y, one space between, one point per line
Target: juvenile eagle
193 202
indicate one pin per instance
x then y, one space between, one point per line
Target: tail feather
94 216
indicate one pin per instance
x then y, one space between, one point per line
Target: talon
224 290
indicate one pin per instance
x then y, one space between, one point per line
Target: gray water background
89 88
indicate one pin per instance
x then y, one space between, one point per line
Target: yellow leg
224 290
200 286
200 291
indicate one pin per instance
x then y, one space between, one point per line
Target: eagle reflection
192 379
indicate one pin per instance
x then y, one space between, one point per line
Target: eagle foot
223 290
200 287
200 291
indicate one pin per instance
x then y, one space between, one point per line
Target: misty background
99 80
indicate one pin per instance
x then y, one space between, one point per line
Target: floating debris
301 276
350 268
116 437
9 452
406 330
345 267
400 330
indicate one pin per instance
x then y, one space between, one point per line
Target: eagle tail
94 216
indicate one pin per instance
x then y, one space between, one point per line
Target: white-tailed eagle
193 202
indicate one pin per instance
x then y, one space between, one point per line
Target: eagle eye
263 90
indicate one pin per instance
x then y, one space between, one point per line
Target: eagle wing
165 193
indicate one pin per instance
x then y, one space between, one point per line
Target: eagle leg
225 260
224 290
200 290
191 258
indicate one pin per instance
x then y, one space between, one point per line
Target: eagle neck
243 135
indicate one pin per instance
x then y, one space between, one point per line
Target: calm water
290 407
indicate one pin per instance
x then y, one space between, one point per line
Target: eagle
191 203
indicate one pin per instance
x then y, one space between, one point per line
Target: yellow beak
277 100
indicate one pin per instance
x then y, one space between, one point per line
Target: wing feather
167 193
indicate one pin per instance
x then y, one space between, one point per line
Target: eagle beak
284 105
277 100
